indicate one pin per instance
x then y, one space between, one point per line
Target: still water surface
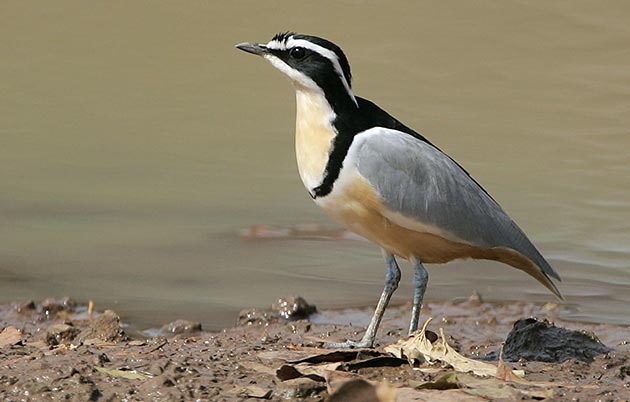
136 143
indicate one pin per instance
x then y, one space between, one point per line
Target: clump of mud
290 308
293 308
531 339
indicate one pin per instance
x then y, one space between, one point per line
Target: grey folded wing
419 182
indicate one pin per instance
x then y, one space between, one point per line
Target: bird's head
312 64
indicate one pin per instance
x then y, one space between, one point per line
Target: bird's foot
350 345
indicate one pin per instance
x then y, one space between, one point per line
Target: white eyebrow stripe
327 53
276 45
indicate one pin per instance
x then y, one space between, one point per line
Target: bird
386 182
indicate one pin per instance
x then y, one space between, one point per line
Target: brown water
136 143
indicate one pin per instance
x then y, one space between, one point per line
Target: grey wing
418 181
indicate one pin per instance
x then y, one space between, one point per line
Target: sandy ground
56 350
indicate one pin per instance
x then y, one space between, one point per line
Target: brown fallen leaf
315 366
314 372
418 348
379 361
10 336
288 372
338 356
505 373
299 354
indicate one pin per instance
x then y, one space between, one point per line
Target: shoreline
91 358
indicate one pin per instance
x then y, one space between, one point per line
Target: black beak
253 48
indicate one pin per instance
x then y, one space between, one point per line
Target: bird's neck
314 136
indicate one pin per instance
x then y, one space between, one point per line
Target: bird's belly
355 204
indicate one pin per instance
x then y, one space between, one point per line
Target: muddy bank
59 350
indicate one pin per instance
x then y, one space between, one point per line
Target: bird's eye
297 53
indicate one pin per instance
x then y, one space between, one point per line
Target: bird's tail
540 273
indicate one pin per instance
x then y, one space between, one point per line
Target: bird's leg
391 284
420 279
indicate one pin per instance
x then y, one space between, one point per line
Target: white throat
314 135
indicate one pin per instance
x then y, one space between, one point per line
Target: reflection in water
136 143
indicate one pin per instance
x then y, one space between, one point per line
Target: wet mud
61 350
531 339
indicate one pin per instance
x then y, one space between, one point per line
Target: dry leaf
338 356
289 372
419 348
316 373
380 361
505 373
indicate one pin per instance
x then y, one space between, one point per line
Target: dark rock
106 327
531 339
293 308
181 327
